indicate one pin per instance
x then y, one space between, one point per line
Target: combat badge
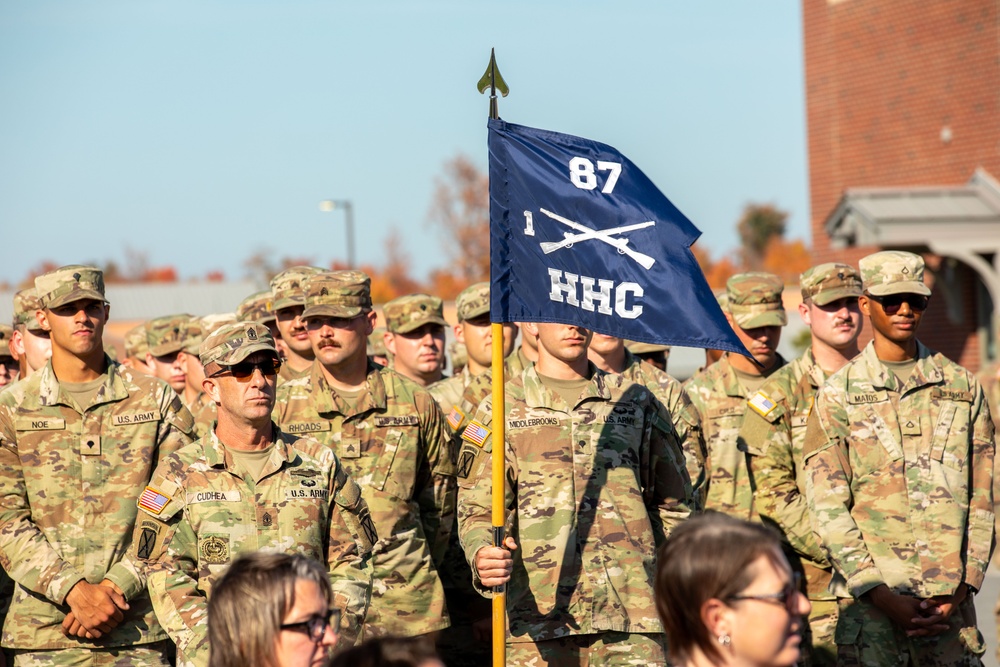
214 550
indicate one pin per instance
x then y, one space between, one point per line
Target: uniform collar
537 396
926 371
113 389
217 456
327 400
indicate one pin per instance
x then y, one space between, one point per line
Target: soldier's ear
390 342
459 332
372 317
864 304
211 388
43 320
804 313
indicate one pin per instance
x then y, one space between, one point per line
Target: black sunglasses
243 370
315 626
789 596
891 303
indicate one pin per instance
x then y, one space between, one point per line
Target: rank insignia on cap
455 418
476 433
153 501
251 334
761 403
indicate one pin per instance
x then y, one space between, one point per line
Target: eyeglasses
891 303
315 626
789 596
243 370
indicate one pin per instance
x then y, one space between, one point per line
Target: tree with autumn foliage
461 208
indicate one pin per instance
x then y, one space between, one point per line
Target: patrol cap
210 323
193 336
136 344
68 284
893 272
288 287
755 300
5 333
645 348
473 301
338 294
828 282
413 311
166 335
256 308
232 343
376 343
723 299
25 304
458 354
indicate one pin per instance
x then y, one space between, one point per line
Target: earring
725 640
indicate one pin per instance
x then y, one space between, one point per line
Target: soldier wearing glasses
247 486
899 454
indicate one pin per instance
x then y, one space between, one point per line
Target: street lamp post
328 205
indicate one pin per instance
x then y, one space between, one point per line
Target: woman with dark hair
272 610
727 596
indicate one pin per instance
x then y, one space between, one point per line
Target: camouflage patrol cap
136 343
376 343
338 294
25 304
893 272
166 335
5 333
288 287
473 301
412 311
209 323
68 284
194 336
636 347
232 343
723 300
755 300
256 308
828 282
458 355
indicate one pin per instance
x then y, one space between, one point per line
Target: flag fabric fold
579 235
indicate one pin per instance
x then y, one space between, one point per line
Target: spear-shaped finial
493 81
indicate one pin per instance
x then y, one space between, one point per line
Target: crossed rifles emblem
609 236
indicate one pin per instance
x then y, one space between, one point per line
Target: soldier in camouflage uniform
136 348
287 301
719 393
391 437
774 429
76 449
247 486
376 347
194 397
165 337
656 355
415 337
610 355
8 363
899 456
257 308
475 331
989 378
29 344
596 479
458 357
464 643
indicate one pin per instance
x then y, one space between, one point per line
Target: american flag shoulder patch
455 418
476 433
152 500
761 403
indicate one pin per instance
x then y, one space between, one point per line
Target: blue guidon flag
579 235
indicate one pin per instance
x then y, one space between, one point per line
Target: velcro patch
135 418
306 427
147 541
397 420
152 500
213 497
761 404
869 397
39 424
455 418
952 394
465 461
476 433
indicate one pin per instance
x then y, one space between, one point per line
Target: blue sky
202 132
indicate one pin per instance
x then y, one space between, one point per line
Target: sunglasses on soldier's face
891 303
243 370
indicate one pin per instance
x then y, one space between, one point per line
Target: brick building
903 111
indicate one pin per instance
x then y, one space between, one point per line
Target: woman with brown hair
727 596
272 610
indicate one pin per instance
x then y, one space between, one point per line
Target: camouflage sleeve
687 424
437 499
772 469
980 538
168 545
666 486
475 490
25 553
830 499
177 428
352 538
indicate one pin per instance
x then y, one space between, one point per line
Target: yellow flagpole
493 82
